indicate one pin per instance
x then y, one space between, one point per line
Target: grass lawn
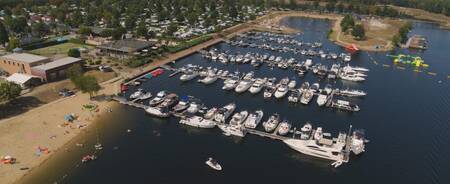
60 49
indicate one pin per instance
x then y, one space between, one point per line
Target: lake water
405 115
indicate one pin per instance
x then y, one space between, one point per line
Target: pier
265 134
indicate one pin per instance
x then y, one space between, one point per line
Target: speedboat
304 87
315 87
211 78
193 108
170 101
230 83
351 93
235 126
268 91
213 164
292 84
238 118
181 106
253 119
328 89
145 96
353 78
257 86
308 62
157 111
136 95
210 113
271 123
284 127
281 91
160 96
224 112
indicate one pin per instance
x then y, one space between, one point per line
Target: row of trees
9 91
357 30
86 84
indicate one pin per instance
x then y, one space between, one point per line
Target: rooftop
24 57
57 63
126 45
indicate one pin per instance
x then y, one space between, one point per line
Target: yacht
284 127
197 121
181 106
271 123
345 105
328 89
235 126
145 96
160 96
189 76
224 112
157 111
308 62
245 83
230 83
304 87
254 119
238 118
353 78
305 131
136 95
170 101
294 97
257 86
268 91
315 87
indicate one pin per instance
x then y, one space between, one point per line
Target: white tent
20 79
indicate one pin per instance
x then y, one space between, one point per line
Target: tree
358 32
87 84
347 22
118 32
38 28
74 53
172 29
141 30
84 30
74 72
12 44
9 91
3 34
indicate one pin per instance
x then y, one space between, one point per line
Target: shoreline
21 136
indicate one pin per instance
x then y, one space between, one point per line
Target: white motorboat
284 127
136 95
322 99
347 58
230 83
197 121
351 78
305 87
254 119
245 83
159 112
306 97
210 113
355 68
257 86
308 62
160 96
271 123
345 105
238 118
169 101
224 112
189 76
193 108
145 96
211 78
328 89
268 91
235 127
292 84
294 97
315 87
281 91
181 106
213 164
351 93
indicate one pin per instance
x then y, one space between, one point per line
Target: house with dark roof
55 70
125 48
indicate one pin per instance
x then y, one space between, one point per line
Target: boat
268 91
294 97
347 58
304 87
282 88
230 83
88 158
271 123
257 86
328 89
351 93
238 118
145 96
197 121
189 76
158 112
308 62
284 127
170 101
322 99
224 112
305 131
315 87
235 126
292 84
353 78
245 83
160 96
306 97
213 164
254 119
345 105
136 95
210 113
182 105
211 78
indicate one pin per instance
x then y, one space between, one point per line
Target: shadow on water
19 106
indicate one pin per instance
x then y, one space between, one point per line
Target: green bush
98 62
190 43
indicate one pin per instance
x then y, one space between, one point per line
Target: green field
60 49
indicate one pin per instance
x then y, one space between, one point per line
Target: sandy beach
42 127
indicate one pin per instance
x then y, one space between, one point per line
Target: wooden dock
130 103
265 134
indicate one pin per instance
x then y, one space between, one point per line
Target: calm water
406 117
